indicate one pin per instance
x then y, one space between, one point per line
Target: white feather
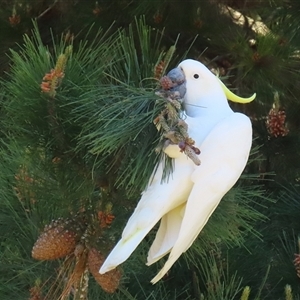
220 169
166 235
156 201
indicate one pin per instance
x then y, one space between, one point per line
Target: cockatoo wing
224 154
158 199
166 235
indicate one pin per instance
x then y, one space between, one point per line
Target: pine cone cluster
276 123
63 237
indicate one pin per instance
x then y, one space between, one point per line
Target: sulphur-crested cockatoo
187 199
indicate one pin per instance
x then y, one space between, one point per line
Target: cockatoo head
202 92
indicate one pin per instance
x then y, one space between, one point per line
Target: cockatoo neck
211 104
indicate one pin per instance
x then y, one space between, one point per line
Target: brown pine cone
56 241
108 281
276 123
166 83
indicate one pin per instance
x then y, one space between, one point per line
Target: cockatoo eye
196 76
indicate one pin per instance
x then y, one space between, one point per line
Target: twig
48 9
240 19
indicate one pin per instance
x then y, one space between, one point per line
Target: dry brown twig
174 128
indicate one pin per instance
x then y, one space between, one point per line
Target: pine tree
78 145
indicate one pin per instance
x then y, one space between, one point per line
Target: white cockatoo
187 199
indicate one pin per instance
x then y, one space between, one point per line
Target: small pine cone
166 83
276 123
108 281
158 69
56 241
35 293
256 57
297 264
157 17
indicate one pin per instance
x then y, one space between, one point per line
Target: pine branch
242 20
